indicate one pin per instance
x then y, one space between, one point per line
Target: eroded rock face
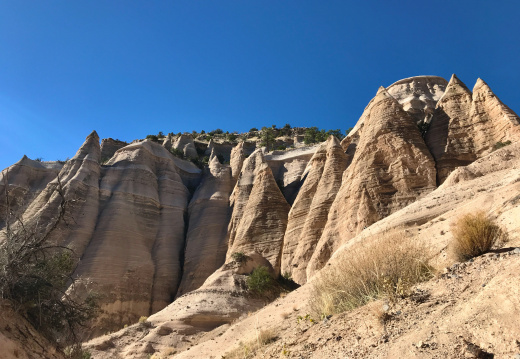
24 181
259 212
391 168
109 146
466 126
185 144
418 95
309 212
208 214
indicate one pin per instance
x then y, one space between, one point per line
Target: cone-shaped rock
260 211
237 160
185 144
134 253
391 168
466 126
308 215
23 182
209 214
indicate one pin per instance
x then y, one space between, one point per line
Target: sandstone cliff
208 214
466 126
309 212
391 168
259 212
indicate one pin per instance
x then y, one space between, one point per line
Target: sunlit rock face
466 126
418 95
308 214
391 168
149 228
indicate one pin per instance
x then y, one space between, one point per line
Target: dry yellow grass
250 349
475 234
387 267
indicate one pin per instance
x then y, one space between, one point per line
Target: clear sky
131 68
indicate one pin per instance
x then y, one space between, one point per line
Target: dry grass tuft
475 234
251 348
387 267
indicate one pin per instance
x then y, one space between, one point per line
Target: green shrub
35 272
239 257
388 267
260 281
475 234
500 144
152 138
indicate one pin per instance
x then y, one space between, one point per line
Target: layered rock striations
309 212
260 211
208 214
466 126
391 168
23 182
418 95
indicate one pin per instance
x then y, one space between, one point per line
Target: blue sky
131 68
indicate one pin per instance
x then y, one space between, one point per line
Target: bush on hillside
387 267
35 272
260 281
475 234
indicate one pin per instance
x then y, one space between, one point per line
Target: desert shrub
152 138
253 129
387 267
501 144
260 281
35 273
475 234
239 257
176 152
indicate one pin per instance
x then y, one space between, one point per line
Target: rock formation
418 95
309 212
391 168
185 144
259 212
466 126
208 215
109 146
24 181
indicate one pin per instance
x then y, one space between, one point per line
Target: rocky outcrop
109 146
23 182
288 167
308 215
391 168
237 160
259 213
185 144
466 126
208 215
418 95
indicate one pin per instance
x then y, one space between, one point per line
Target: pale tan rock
288 168
418 95
109 146
185 144
391 168
259 213
208 214
308 215
25 180
449 137
237 160
466 126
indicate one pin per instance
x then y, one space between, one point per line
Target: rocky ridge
149 227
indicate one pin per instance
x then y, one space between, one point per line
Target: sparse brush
387 267
260 281
475 234
250 348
